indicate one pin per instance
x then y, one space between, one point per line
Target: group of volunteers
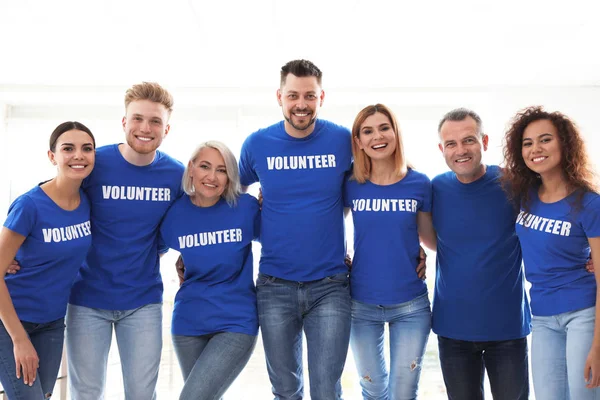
82 251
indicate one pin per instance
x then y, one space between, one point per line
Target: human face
145 125
377 137
209 176
300 99
74 154
462 145
541 147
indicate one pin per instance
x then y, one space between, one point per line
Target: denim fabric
560 345
464 365
139 337
322 309
409 327
47 339
210 363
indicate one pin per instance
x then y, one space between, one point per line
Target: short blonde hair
362 162
233 189
151 91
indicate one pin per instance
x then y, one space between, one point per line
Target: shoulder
418 176
108 150
247 201
591 200
333 129
167 161
443 179
28 199
263 133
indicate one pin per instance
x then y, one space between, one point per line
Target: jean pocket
264 279
342 277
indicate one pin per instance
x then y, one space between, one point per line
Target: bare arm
592 364
426 232
26 357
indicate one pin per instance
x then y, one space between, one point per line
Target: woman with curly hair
549 174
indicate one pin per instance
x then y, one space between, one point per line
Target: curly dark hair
518 179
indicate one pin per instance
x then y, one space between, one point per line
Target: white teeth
379 146
77 166
539 159
301 115
144 139
462 160
209 185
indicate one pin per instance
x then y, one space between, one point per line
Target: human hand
422 266
26 360
180 267
13 267
591 371
589 266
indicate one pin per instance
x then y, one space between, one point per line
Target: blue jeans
559 348
210 363
464 363
89 335
47 339
409 326
322 309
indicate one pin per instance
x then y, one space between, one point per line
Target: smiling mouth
144 138
538 160
462 160
210 185
301 114
379 146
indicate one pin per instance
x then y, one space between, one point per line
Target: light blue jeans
322 309
210 363
409 326
559 348
89 335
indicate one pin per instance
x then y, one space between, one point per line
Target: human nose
145 126
78 154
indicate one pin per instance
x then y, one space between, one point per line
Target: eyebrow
71 144
208 162
151 117
380 125
540 136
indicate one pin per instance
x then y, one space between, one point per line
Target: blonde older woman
215 321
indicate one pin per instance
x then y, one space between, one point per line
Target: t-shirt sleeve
346 192
591 218
427 195
255 210
22 215
247 172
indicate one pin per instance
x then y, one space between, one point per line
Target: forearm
8 315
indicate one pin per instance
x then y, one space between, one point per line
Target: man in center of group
303 282
480 311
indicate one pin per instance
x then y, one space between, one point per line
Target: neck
383 172
135 158
297 133
472 178
554 186
204 202
66 187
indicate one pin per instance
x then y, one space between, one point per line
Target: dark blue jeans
47 339
322 309
463 365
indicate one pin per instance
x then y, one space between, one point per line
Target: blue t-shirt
479 287
554 238
302 230
386 240
121 271
56 243
215 242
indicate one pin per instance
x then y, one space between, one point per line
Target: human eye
292 96
311 97
450 144
67 148
527 143
367 131
88 148
222 171
386 128
203 166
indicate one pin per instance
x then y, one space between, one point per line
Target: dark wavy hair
518 179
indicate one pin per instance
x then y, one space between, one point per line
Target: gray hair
460 114
233 189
